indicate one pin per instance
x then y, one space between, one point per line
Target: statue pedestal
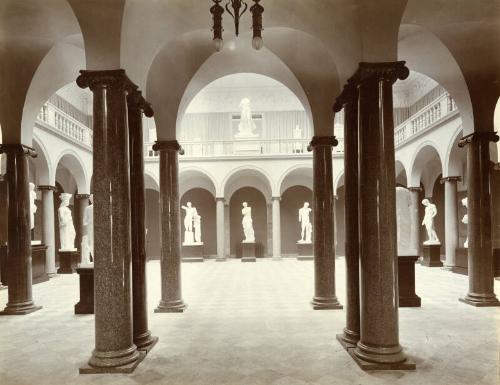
432 256
188 238
86 304
192 253
38 255
248 252
305 251
406 281
461 261
68 261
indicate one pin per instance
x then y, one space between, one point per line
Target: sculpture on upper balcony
32 205
428 222
305 223
465 220
246 127
247 223
66 228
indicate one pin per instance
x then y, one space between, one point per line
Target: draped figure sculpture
247 223
428 222
88 239
465 220
66 228
246 127
33 207
192 221
305 222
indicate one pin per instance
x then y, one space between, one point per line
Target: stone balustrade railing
64 124
424 118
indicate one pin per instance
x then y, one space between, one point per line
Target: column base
146 342
277 259
305 258
348 339
478 300
124 361
368 365
20 309
330 303
177 306
220 259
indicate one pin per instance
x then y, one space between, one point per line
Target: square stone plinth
38 256
461 261
248 252
406 281
68 261
129 368
432 256
192 253
86 304
365 365
305 251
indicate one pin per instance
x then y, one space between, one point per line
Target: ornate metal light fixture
236 8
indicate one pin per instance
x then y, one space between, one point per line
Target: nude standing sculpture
428 222
247 223
66 229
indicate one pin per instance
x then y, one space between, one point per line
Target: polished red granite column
20 299
114 350
323 242
137 106
48 227
171 292
378 347
349 101
450 219
480 251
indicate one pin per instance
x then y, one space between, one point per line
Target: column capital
348 95
82 196
168 145
496 166
386 71
415 189
117 79
220 199
136 100
324 141
276 199
17 149
488 136
451 179
47 188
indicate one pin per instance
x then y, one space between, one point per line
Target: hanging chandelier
236 8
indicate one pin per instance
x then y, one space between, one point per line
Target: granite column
323 242
451 218
20 299
48 227
349 101
480 251
114 350
378 347
171 289
136 107
276 226
219 202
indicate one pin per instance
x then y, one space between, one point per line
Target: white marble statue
32 205
465 220
66 228
191 218
403 219
88 239
247 223
246 127
197 228
297 134
428 222
305 224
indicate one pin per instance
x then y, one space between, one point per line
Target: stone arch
42 162
151 182
338 182
195 177
75 165
455 158
426 166
248 176
297 175
401 174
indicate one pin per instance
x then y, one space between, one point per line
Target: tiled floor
252 324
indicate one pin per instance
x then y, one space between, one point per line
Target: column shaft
323 246
141 334
379 336
48 227
276 225
171 292
480 252
19 273
220 229
451 219
114 350
349 101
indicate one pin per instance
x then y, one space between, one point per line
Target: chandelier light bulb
257 42
218 43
